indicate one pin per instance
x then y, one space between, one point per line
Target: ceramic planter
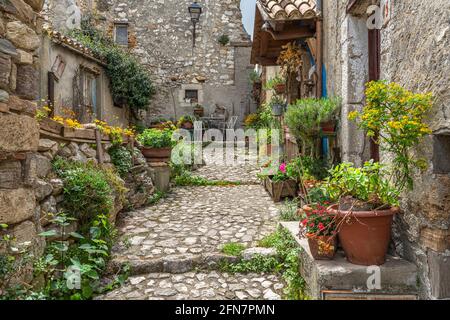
157 154
365 235
323 247
277 110
280 190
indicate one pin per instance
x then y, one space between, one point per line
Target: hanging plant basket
277 110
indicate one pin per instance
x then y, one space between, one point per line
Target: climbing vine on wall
130 82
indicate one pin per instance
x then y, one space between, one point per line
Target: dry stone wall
416 54
21 167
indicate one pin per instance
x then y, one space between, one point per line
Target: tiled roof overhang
288 9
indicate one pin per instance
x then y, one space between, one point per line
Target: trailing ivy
129 81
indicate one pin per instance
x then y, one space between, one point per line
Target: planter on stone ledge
157 154
364 234
322 247
281 189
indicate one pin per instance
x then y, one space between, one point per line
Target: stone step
174 264
339 279
198 285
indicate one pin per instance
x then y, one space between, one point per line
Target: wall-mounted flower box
50 125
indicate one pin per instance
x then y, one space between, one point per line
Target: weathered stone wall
161 37
20 165
346 65
416 54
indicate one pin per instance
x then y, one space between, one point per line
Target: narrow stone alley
167 243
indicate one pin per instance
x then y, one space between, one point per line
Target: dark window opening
441 154
121 34
191 96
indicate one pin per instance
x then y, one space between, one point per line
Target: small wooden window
121 34
191 96
441 154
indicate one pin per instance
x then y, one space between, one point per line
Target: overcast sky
248 11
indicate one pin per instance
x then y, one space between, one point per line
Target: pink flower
283 167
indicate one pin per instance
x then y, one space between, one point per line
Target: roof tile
289 9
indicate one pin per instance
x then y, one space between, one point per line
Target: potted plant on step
156 144
319 227
367 198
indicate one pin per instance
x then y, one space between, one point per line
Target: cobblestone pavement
199 286
188 226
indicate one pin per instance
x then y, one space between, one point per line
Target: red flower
312 224
321 226
305 222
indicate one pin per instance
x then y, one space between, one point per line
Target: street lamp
195 10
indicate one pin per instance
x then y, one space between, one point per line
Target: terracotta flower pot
157 154
365 235
328 127
280 88
199 112
323 247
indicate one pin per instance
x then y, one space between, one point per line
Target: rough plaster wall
416 54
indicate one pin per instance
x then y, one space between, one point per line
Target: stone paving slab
196 221
199 286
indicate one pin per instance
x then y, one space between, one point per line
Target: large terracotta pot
365 235
157 154
323 247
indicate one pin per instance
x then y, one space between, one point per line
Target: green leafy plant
233 249
304 118
121 158
273 82
88 189
155 138
255 77
156 197
129 80
369 184
289 212
308 168
395 119
285 263
224 39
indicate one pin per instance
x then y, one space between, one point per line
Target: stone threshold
339 279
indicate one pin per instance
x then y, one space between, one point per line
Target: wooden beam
264 44
319 57
293 33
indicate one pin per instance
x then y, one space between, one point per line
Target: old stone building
160 34
400 41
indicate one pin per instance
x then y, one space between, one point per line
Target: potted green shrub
304 119
367 198
277 105
277 84
156 144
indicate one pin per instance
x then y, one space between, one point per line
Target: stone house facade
400 41
160 34
73 80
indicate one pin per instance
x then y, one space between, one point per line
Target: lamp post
195 10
